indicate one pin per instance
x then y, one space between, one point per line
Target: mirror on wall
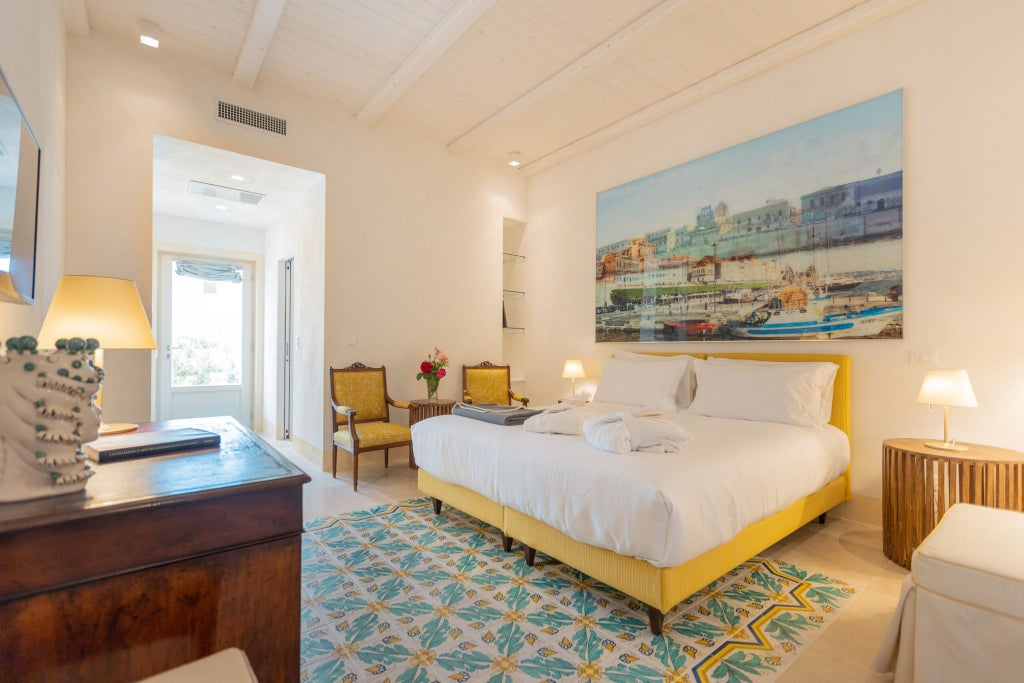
19 192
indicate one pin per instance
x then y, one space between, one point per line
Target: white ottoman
226 666
961 612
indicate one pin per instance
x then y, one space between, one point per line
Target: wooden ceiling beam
607 51
852 20
265 17
456 22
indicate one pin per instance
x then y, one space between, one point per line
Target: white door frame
163 366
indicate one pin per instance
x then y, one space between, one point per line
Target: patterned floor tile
396 594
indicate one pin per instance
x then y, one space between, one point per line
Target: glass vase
432 383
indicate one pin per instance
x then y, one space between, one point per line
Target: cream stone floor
847 547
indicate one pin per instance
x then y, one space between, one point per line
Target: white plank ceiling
546 78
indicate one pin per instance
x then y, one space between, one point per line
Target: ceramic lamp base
106 429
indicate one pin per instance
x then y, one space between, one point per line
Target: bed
474 467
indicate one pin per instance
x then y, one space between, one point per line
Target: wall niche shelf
513 302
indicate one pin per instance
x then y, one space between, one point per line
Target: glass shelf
506 257
512 294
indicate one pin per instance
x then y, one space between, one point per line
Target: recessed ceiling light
239 178
149 34
222 207
513 159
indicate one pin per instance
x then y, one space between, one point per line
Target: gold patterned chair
489 383
359 406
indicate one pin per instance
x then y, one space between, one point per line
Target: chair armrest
517 397
466 398
351 412
399 404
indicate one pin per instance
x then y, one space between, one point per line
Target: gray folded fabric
494 413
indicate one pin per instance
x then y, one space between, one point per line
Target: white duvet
665 508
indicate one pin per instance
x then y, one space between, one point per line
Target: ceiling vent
226 193
251 117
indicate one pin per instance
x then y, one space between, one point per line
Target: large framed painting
794 235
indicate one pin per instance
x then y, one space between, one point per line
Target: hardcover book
138 444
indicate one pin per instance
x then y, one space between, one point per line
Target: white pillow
687 384
828 375
791 393
641 383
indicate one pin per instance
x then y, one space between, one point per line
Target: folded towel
563 418
494 413
635 431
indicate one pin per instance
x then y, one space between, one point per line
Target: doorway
236 211
205 365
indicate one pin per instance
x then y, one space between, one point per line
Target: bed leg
821 518
530 553
437 505
506 543
656 618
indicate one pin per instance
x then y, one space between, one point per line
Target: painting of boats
793 315
795 235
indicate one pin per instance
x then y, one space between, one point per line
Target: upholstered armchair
489 383
359 409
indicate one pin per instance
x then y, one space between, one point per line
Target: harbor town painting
794 235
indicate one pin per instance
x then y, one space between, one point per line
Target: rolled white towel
634 431
562 418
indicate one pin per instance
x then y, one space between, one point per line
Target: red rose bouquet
432 370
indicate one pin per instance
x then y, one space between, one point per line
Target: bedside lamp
573 370
105 308
947 388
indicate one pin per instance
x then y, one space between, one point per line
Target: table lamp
105 308
573 370
947 388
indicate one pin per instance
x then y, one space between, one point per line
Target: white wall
413 236
961 65
32 59
204 234
298 234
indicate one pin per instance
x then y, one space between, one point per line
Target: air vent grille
251 117
230 194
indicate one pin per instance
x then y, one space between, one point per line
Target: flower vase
432 383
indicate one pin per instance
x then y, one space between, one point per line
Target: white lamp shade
107 309
947 388
573 370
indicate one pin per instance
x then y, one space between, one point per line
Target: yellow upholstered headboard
841 404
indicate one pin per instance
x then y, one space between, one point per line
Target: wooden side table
920 483
421 409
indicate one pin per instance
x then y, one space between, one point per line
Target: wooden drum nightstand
421 409
920 483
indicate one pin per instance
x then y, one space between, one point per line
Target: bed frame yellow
662 588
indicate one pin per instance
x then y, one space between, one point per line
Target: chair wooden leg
386 458
506 543
334 462
437 505
530 553
355 471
